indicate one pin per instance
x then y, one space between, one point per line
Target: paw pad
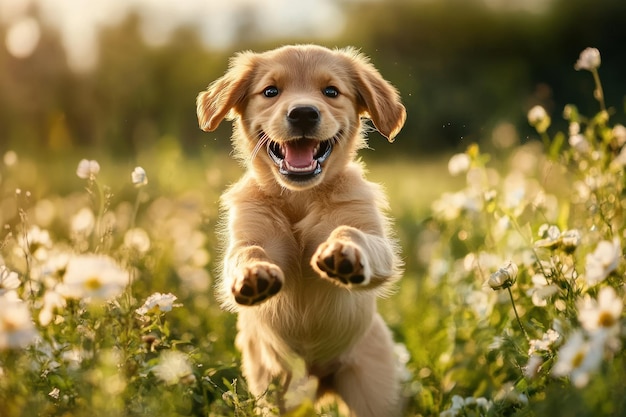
257 283
340 262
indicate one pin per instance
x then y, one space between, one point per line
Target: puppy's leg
369 381
260 248
354 258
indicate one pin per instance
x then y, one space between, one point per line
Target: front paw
257 282
341 261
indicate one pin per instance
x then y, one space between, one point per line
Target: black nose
304 117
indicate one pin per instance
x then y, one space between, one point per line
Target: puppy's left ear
226 93
380 100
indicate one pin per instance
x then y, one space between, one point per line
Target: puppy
308 244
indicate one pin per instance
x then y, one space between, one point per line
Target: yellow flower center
605 319
93 283
578 359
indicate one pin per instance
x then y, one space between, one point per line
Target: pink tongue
299 154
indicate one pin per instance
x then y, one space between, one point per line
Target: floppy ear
380 100
225 93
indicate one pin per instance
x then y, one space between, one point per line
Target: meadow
511 303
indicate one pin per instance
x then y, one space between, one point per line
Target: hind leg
368 382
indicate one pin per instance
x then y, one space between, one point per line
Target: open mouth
300 159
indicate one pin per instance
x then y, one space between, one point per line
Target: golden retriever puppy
308 244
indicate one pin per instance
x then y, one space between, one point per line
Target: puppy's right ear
226 93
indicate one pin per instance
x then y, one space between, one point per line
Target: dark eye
331 92
270 91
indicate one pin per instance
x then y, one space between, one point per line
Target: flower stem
135 209
517 315
598 92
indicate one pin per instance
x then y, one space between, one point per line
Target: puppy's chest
309 232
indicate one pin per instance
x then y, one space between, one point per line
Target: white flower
533 366
467 406
158 302
137 239
539 119
603 261
52 301
541 290
589 60
459 163
139 177
10 158
451 205
16 325
36 242
544 344
601 314
579 143
94 277
9 280
550 236
83 222
578 359
620 159
173 367
619 133
87 169
570 239
504 277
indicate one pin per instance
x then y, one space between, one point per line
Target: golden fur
308 244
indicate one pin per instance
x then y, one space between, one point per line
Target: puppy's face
298 111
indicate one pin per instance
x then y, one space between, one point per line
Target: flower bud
139 177
589 60
504 277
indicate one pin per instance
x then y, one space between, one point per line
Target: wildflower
603 261
451 205
601 314
544 344
579 143
83 222
539 119
87 169
174 368
9 280
139 177
589 60
52 301
10 158
137 239
36 242
55 393
459 163
578 359
550 236
158 302
619 134
16 325
467 406
541 290
533 366
504 277
95 277
570 239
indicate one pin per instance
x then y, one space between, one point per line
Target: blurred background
120 76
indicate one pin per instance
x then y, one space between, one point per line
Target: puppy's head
298 110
